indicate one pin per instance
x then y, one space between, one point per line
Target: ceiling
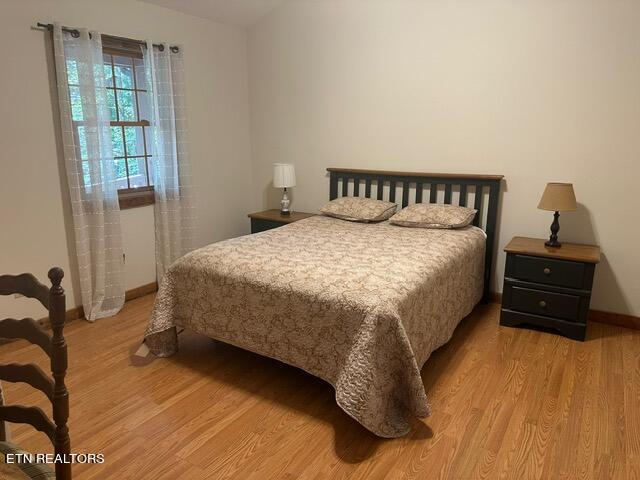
241 13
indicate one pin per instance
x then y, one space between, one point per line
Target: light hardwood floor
507 403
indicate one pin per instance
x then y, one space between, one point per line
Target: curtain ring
161 47
75 33
175 49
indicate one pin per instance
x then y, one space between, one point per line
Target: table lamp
557 197
284 176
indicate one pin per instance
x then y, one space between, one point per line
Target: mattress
360 305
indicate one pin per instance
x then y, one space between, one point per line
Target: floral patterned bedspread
359 305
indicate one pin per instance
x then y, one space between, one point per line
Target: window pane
111 103
123 68
151 168
108 71
133 167
137 172
76 104
134 141
86 175
118 141
148 136
141 81
127 106
120 173
143 104
82 142
72 72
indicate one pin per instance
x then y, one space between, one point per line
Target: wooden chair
55 347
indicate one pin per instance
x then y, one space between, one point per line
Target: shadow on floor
277 382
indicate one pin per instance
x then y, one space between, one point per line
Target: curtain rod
75 33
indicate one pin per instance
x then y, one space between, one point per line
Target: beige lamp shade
284 175
558 197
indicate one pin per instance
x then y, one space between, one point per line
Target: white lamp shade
284 175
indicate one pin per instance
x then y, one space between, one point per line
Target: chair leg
3 424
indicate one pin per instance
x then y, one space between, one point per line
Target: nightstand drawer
547 271
539 302
260 225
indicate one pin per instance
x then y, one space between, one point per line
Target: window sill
136 197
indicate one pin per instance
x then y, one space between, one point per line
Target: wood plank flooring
508 403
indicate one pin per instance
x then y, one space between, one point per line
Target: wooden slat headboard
482 192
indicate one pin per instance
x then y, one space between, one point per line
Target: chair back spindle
55 347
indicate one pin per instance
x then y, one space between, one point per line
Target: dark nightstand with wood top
548 287
268 219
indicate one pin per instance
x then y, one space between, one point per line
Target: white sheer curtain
88 155
173 208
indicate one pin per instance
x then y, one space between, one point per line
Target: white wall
36 230
536 90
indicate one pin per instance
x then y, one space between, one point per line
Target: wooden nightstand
548 287
261 221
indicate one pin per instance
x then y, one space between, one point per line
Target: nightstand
261 221
548 287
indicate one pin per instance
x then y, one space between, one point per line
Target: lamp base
284 204
555 228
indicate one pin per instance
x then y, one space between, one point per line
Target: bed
359 305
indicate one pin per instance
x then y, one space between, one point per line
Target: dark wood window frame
137 196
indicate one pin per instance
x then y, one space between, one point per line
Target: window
128 104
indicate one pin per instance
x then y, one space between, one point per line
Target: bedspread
361 306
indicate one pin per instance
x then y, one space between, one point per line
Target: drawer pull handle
547 271
542 304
